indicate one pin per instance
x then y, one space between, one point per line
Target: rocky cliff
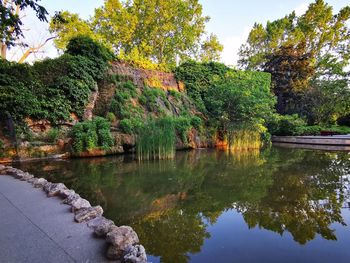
127 97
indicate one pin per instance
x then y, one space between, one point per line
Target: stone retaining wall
123 241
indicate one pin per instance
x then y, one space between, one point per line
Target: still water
277 205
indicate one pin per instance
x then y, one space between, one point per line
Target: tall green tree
11 22
307 56
324 34
160 31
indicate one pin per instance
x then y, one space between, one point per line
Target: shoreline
123 243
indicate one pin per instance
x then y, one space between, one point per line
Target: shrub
93 134
182 126
130 126
111 117
311 130
126 126
286 125
198 77
196 122
52 135
339 129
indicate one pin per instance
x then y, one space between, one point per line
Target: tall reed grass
156 139
244 140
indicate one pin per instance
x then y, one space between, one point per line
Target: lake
276 205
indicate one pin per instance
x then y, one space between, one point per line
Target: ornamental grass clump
245 140
156 140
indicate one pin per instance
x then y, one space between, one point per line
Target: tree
240 99
304 54
211 49
67 26
159 31
322 32
291 70
11 21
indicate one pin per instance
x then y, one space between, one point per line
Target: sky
230 20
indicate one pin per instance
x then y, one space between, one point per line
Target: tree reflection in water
171 203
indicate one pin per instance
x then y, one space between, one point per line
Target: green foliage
236 102
240 99
129 28
151 98
308 57
156 139
211 49
316 129
90 135
68 26
196 122
311 130
182 126
86 47
122 104
198 77
111 117
131 126
284 125
53 88
53 134
339 129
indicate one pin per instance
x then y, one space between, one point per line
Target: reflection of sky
231 20
231 239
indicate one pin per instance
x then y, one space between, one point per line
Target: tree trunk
3 48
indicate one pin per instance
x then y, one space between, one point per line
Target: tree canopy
156 30
307 56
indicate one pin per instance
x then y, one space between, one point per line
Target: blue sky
230 20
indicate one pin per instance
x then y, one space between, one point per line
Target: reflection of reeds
156 140
245 158
244 140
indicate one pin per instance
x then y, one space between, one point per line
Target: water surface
277 205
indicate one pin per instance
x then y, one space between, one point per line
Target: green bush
126 126
53 134
93 134
286 125
130 126
311 130
182 126
111 117
196 122
198 77
339 129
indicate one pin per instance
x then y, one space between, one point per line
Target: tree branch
34 50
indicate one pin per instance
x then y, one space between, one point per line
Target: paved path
34 228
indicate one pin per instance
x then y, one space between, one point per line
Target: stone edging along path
123 241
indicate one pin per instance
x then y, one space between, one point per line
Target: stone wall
146 77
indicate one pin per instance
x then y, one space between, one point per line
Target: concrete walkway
34 228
